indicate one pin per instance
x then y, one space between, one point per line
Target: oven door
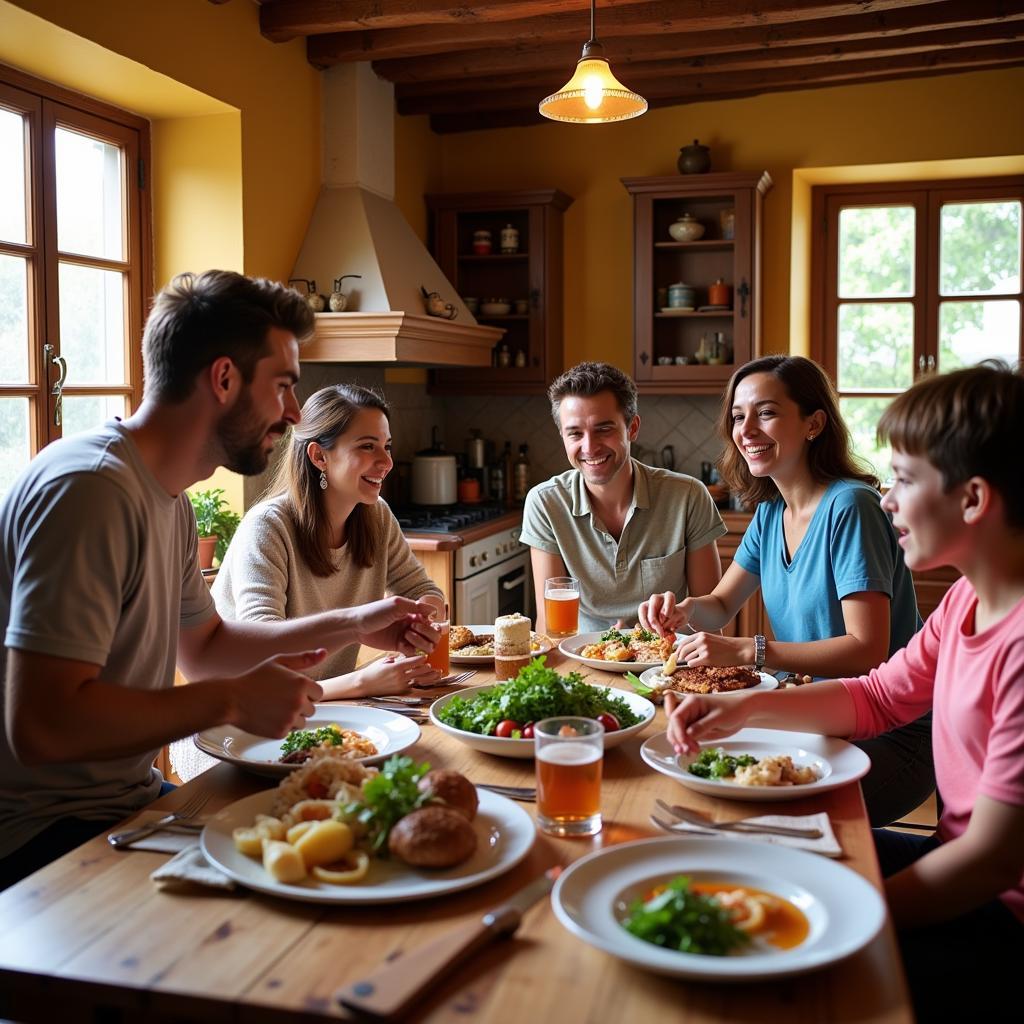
500 590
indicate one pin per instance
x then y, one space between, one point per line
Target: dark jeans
902 774
59 838
966 968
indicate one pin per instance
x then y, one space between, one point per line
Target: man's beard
241 442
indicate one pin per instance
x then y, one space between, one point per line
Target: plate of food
497 718
619 650
367 735
339 832
761 764
474 645
716 910
702 679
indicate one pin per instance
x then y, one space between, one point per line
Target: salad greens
536 693
388 796
676 918
639 686
636 633
305 739
715 763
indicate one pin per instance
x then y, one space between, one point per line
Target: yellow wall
926 119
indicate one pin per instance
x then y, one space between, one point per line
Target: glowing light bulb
593 93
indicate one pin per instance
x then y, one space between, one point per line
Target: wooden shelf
705 244
506 316
494 257
717 313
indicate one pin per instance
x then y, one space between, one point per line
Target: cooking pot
434 475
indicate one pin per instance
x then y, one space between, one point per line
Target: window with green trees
913 279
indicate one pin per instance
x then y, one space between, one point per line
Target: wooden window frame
46 106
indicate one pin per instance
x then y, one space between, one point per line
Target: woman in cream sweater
325 539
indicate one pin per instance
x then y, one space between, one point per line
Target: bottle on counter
497 481
506 468
521 474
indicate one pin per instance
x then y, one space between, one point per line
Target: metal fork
448 680
179 817
729 826
525 793
412 701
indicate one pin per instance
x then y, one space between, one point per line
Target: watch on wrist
759 651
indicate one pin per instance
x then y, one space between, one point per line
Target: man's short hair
588 379
966 423
198 318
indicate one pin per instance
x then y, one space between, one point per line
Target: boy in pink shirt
957 898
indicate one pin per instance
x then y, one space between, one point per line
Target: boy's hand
693 719
396 624
660 613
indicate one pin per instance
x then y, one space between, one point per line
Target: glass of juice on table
438 657
562 605
569 752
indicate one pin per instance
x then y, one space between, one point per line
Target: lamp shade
593 96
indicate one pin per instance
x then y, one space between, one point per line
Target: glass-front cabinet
697 278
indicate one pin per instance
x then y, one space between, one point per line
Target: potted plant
216 524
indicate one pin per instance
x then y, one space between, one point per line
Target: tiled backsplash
685 424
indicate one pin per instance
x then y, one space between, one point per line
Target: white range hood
357 229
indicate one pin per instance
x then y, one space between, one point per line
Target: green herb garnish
676 918
715 763
305 739
388 796
536 693
645 636
614 634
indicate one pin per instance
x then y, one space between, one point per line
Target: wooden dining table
91 937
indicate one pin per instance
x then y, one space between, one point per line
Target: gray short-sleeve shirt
98 565
671 514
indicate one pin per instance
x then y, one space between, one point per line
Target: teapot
436 306
338 300
316 301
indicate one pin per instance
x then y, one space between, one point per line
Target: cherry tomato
609 721
528 731
505 728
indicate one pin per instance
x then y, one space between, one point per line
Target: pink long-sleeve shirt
975 683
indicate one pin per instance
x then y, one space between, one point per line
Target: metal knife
389 990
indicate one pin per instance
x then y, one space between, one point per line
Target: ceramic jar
719 294
727 218
482 242
681 296
695 159
509 240
686 229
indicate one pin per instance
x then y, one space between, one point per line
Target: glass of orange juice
438 657
562 605
569 753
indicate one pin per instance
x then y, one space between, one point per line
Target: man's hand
276 697
396 624
693 719
661 614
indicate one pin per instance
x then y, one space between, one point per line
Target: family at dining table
101 596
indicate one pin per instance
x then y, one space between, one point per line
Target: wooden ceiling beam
692 86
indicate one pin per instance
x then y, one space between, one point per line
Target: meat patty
433 837
454 789
713 679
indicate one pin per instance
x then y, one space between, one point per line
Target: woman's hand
715 649
693 719
661 614
393 675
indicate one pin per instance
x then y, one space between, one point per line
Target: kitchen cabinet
668 340
529 280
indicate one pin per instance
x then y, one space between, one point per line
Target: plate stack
511 645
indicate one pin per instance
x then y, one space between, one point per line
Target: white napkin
170 839
827 845
190 867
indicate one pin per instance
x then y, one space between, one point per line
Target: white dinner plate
768 682
487 659
505 834
837 762
388 732
572 646
524 748
844 911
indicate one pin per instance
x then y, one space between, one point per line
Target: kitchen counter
453 541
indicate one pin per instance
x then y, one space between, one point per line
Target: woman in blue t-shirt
839 598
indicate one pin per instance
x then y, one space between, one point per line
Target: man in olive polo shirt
623 529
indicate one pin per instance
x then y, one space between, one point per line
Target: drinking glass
438 657
562 605
569 753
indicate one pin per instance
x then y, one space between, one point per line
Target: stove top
448 519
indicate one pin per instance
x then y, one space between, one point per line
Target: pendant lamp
593 95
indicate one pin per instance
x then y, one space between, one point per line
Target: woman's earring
323 480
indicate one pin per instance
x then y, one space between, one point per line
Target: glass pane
13 320
92 324
876 251
15 451
84 412
862 416
89 196
13 213
876 346
972 331
979 249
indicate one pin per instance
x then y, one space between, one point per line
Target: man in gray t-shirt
623 529
101 595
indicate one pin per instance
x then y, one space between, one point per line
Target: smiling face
265 408
359 460
929 519
596 436
769 429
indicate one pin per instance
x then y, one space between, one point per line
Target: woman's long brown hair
829 455
326 415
